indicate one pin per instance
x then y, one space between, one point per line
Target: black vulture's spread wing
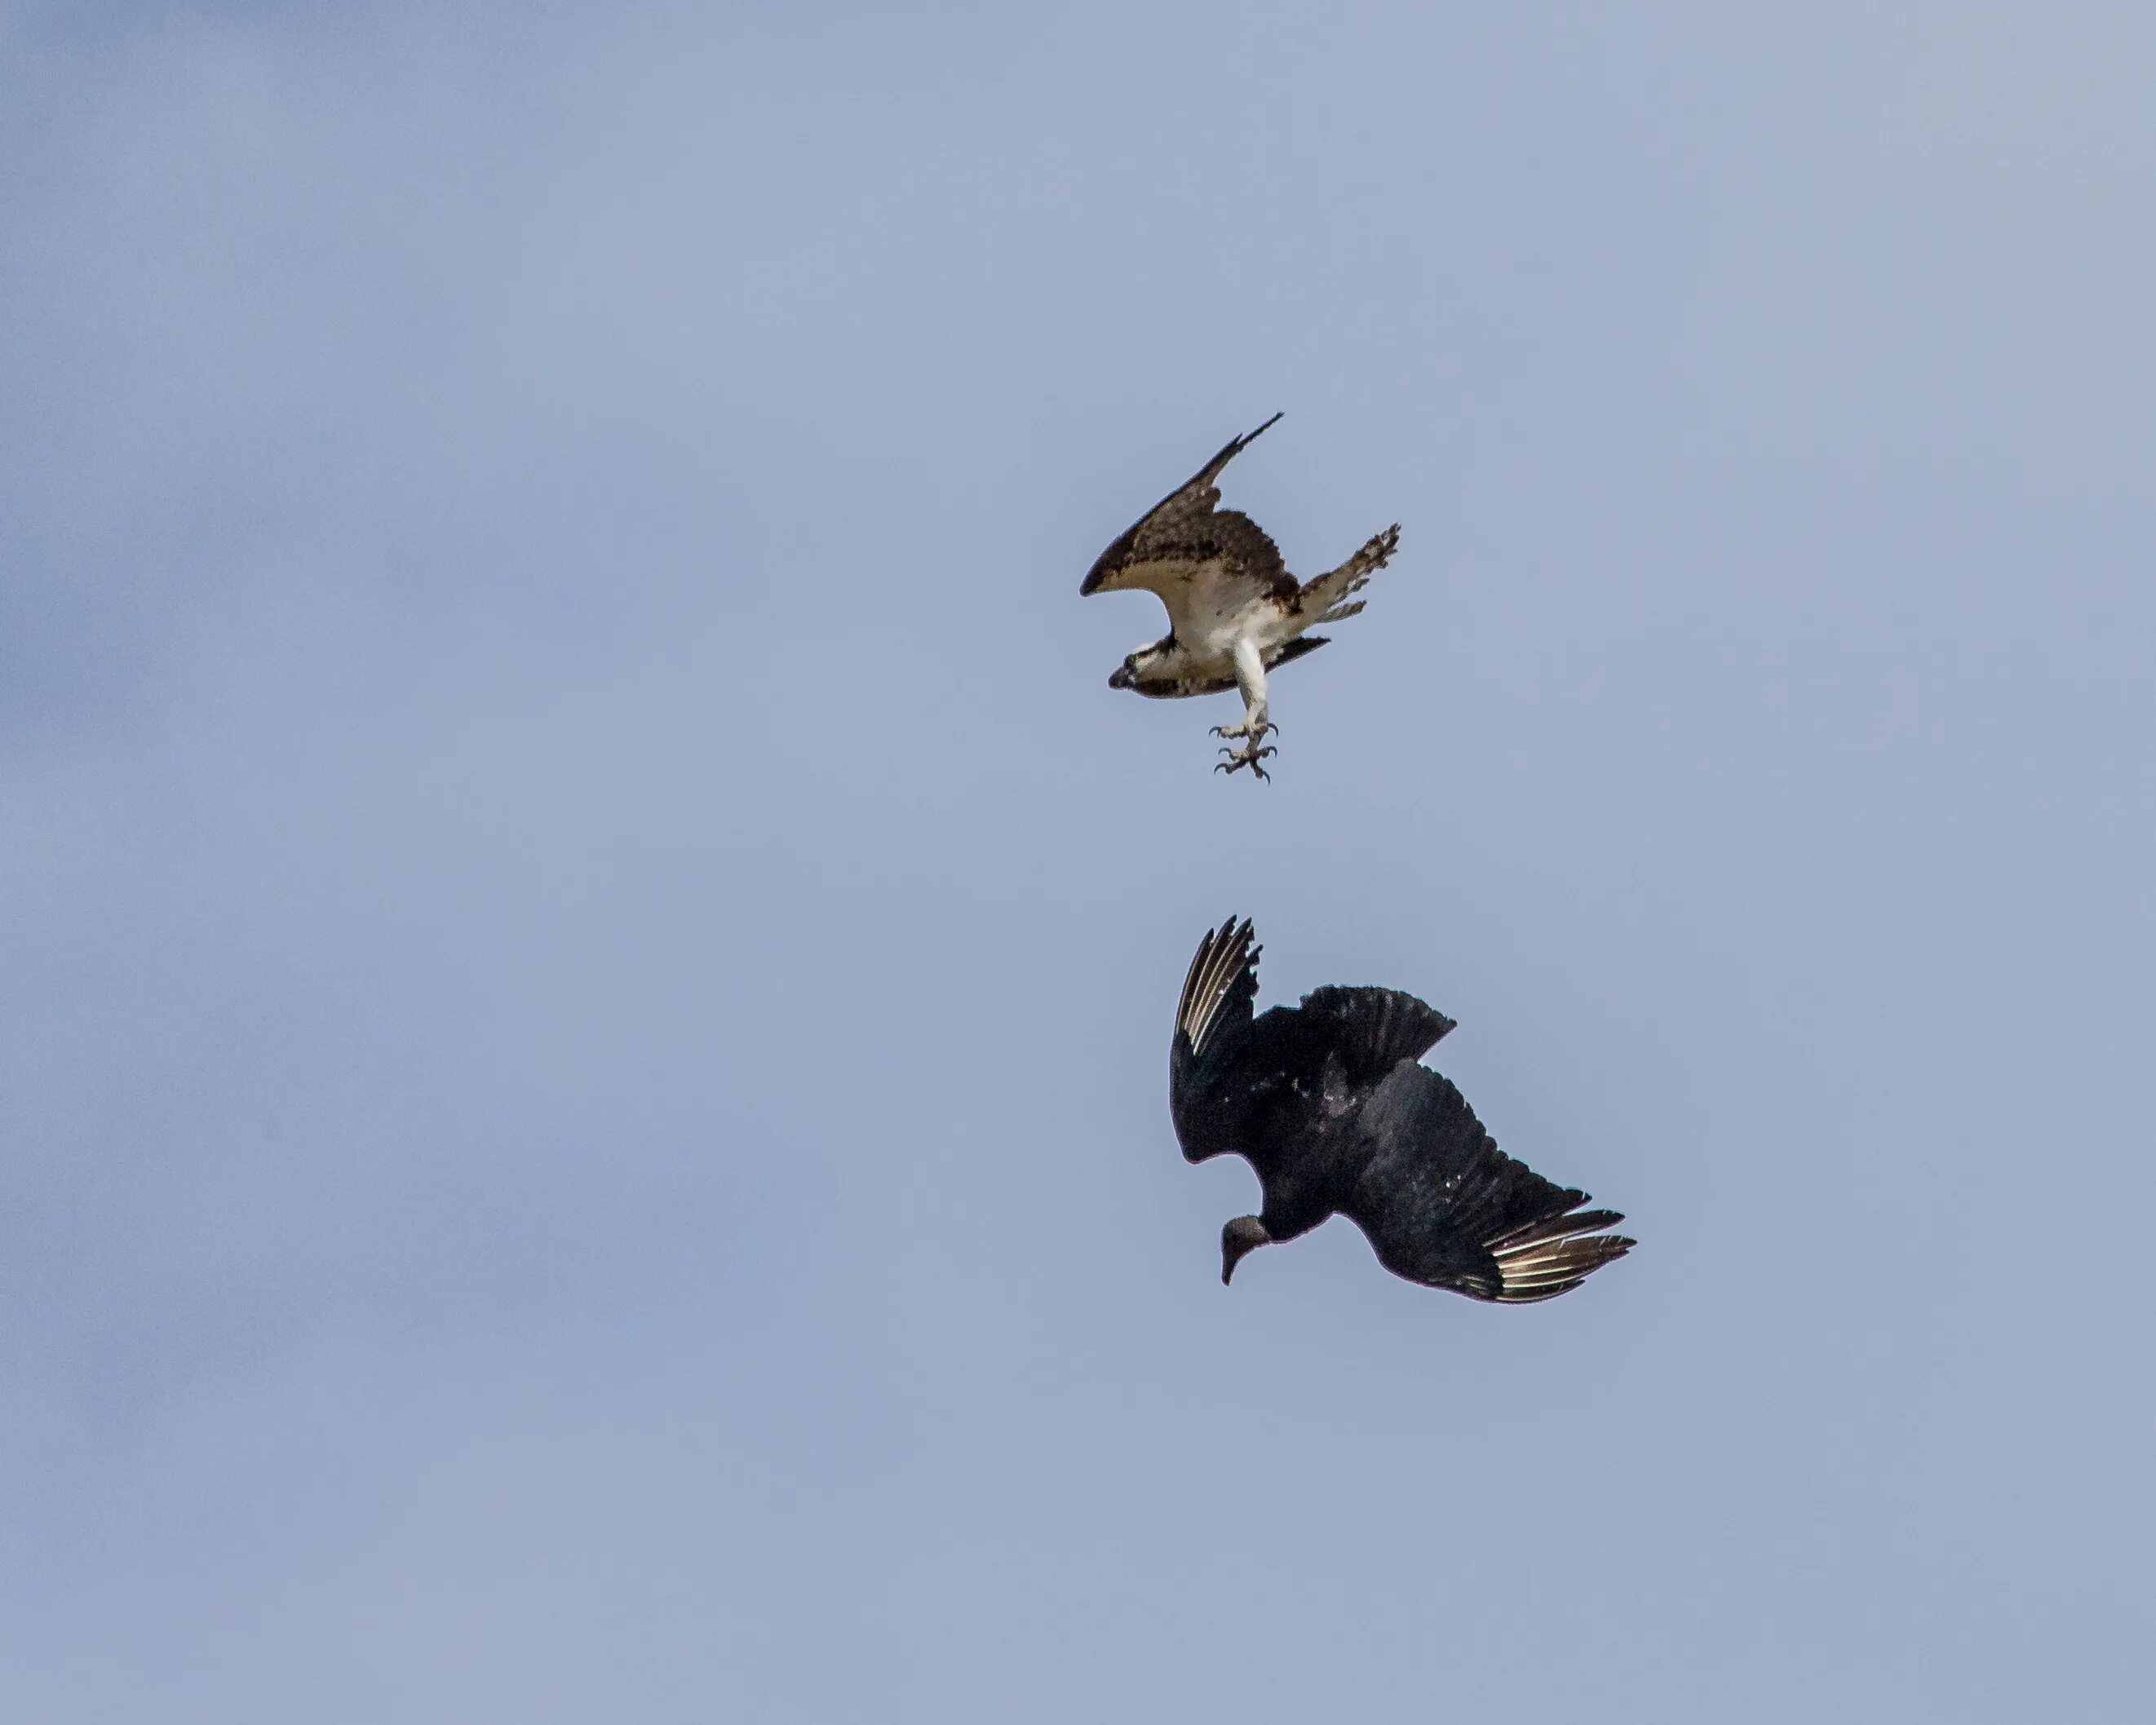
1202 560
1372 1029
1212 1031
1444 1206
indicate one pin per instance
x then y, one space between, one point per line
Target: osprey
1234 611
1330 1104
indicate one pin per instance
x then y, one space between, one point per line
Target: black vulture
1329 1102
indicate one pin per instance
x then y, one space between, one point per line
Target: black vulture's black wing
1372 1029
1212 1033
1443 1205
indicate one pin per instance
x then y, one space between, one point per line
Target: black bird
1329 1103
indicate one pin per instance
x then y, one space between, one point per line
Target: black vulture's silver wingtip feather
1225 955
1554 1255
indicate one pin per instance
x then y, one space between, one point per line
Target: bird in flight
1329 1102
1234 611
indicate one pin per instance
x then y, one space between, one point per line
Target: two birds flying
1328 1100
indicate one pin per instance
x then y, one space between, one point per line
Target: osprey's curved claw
1249 757
1243 730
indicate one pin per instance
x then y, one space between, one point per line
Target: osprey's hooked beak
1122 677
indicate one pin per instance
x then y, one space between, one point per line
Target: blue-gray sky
589 956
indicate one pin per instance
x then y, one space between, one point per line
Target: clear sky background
589 956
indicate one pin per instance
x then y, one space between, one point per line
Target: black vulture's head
1239 1237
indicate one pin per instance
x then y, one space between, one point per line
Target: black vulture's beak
1238 1240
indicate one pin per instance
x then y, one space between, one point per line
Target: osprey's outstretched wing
1202 560
1443 1205
1212 1032
1326 599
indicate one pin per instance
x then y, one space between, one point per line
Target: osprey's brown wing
1198 557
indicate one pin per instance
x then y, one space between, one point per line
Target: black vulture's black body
1330 1106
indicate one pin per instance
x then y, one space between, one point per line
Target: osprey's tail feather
1325 599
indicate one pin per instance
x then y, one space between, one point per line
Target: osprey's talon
1249 757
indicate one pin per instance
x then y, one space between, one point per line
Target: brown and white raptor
1234 611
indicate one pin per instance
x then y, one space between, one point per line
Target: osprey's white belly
1213 631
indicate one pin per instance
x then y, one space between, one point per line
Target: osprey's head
1238 1240
1142 666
